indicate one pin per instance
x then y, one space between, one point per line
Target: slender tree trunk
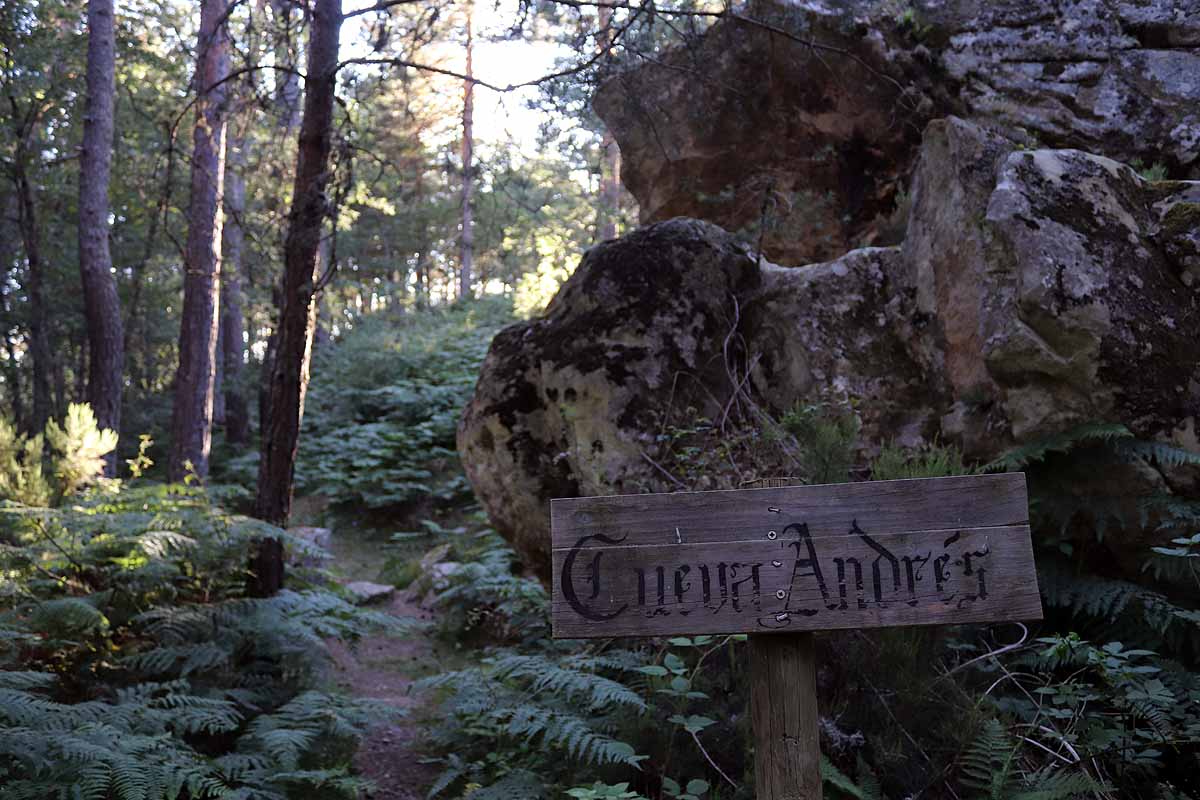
191 421
610 154
467 240
79 389
13 379
135 339
60 386
218 404
102 307
287 81
233 324
421 289
39 322
297 314
12 372
268 364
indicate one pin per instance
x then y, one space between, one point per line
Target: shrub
76 458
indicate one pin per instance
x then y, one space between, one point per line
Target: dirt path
382 668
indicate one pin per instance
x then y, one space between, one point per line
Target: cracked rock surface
801 120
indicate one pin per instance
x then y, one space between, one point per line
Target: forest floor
383 668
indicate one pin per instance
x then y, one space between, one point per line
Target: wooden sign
936 551
779 563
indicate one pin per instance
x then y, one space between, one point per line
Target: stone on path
365 592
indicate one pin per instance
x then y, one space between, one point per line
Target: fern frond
577 685
1059 785
1058 443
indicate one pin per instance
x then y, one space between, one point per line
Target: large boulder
1036 290
1054 296
567 404
796 122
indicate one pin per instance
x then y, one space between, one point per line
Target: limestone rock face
843 329
1116 77
797 121
1053 299
1036 289
365 593
761 134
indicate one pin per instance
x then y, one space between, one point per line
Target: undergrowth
1100 701
382 409
134 667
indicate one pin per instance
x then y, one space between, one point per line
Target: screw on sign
781 562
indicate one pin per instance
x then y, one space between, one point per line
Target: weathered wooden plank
881 506
783 711
794 559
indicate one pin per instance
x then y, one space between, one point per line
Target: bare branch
382 5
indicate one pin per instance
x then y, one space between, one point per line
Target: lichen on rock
799 122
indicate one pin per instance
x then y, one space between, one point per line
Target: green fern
570 679
1121 607
1059 443
129 650
867 788
993 770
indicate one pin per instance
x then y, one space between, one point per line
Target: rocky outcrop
796 123
1036 289
761 134
567 404
843 329
1053 296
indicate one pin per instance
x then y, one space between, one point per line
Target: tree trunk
8 256
268 364
39 323
191 421
297 313
233 324
610 154
467 240
287 81
218 412
79 389
102 307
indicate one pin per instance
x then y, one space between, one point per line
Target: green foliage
1154 172
1039 449
381 413
539 713
21 469
564 710
136 667
604 791
1124 710
76 458
79 447
993 770
827 436
867 787
931 461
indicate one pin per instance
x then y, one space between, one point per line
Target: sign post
779 563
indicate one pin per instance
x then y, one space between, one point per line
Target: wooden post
783 709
